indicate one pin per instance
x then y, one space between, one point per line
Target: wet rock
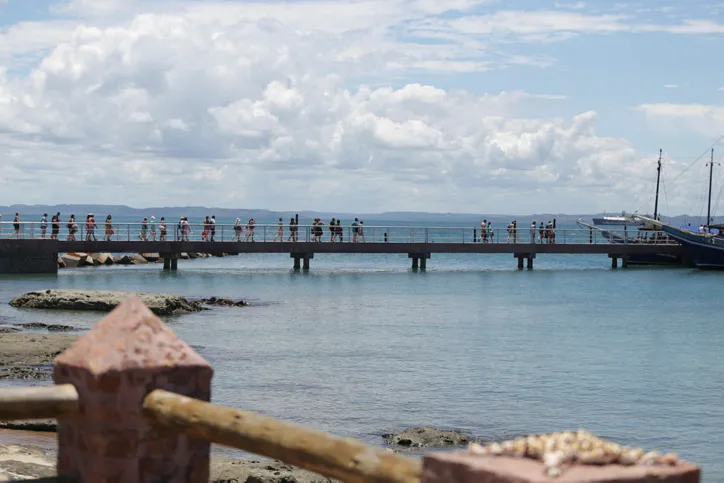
40 425
48 327
427 437
124 260
183 256
61 263
193 255
222 302
160 304
150 257
8 330
137 259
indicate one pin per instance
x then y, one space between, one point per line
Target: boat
622 220
646 233
703 245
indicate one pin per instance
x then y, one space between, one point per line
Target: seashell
477 448
495 449
630 456
650 458
669 459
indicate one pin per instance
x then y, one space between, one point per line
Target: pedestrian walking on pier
541 232
212 227
332 230
205 230
484 231
292 230
340 231
510 232
144 230
362 231
152 226
43 225
109 228
16 226
72 228
280 231
250 230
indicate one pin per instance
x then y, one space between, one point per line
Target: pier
29 252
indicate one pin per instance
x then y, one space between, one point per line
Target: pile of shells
558 450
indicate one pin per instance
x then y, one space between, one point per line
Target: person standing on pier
43 225
237 230
332 230
484 231
55 226
510 232
292 230
212 227
532 232
355 230
162 229
16 226
361 231
340 231
72 228
109 228
144 229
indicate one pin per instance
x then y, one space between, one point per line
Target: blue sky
455 106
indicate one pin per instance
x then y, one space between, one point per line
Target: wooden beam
344 459
38 402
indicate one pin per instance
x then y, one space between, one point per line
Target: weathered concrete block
464 467
113 367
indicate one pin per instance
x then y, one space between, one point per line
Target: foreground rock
19 462
222 302
37 425
427 437
160 304
30 356
48 327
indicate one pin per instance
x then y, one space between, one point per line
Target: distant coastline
264 214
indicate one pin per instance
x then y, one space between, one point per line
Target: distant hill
173 212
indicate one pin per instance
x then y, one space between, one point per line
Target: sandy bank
30 356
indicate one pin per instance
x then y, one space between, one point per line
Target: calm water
360 344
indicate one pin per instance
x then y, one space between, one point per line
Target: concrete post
113 367
174 264
529 266
423 262
415 263
307 257
624 261
463 467
166 264
303 258
419 260
520 261
297 260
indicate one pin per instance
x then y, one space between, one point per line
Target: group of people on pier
539 232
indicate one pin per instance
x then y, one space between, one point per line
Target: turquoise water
361 344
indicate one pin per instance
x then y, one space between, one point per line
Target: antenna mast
708 208
658 178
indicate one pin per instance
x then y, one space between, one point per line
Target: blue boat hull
704 251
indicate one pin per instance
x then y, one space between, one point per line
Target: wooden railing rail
38 402
342 458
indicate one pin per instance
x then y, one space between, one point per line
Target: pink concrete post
113 367
464 467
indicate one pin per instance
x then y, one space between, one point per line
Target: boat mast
708 207
658 178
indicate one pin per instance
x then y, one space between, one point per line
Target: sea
360 344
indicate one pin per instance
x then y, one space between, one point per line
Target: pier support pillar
528 257
614 260
170 261
624 261
301 260
419 260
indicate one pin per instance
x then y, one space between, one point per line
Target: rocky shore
77 259
30 356
427 437
25 461
102 301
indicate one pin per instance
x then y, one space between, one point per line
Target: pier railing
324 233
133 404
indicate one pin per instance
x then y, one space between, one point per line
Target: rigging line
707 151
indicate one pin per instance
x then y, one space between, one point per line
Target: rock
61 263
160 304
116 259
183 256
427 437
103 258
8 330
70 261
30 356
151 257
125 260
222 302
137 259
193 255
90 261
40 425
48 327
255 471
24 462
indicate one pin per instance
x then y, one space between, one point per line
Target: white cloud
261 104
699 118
671 86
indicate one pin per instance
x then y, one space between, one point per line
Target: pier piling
528 257
301 260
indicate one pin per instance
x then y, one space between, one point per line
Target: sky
475 106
